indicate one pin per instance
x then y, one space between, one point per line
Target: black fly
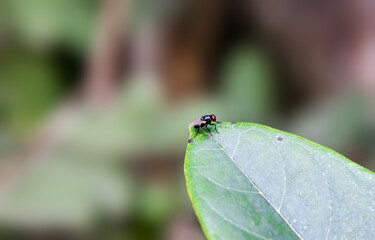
203 122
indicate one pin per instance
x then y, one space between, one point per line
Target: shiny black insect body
203 122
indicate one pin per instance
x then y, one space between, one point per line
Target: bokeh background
96 95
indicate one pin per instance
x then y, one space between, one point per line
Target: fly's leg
209 130
196 133
207 127
215 127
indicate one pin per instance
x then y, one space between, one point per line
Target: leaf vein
329 190
223 186
233 223
285 180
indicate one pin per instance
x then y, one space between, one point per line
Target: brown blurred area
95 98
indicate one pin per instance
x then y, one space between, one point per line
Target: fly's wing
195 122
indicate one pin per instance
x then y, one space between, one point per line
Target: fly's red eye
213 117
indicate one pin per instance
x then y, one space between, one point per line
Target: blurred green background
95 98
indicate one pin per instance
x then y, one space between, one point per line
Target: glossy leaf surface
254 182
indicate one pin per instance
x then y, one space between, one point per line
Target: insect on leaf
255 182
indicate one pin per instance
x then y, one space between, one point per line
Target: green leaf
254 182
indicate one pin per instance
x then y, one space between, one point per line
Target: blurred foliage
247 93
31 81
47 22
147 11
66 192
334 122
28 88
